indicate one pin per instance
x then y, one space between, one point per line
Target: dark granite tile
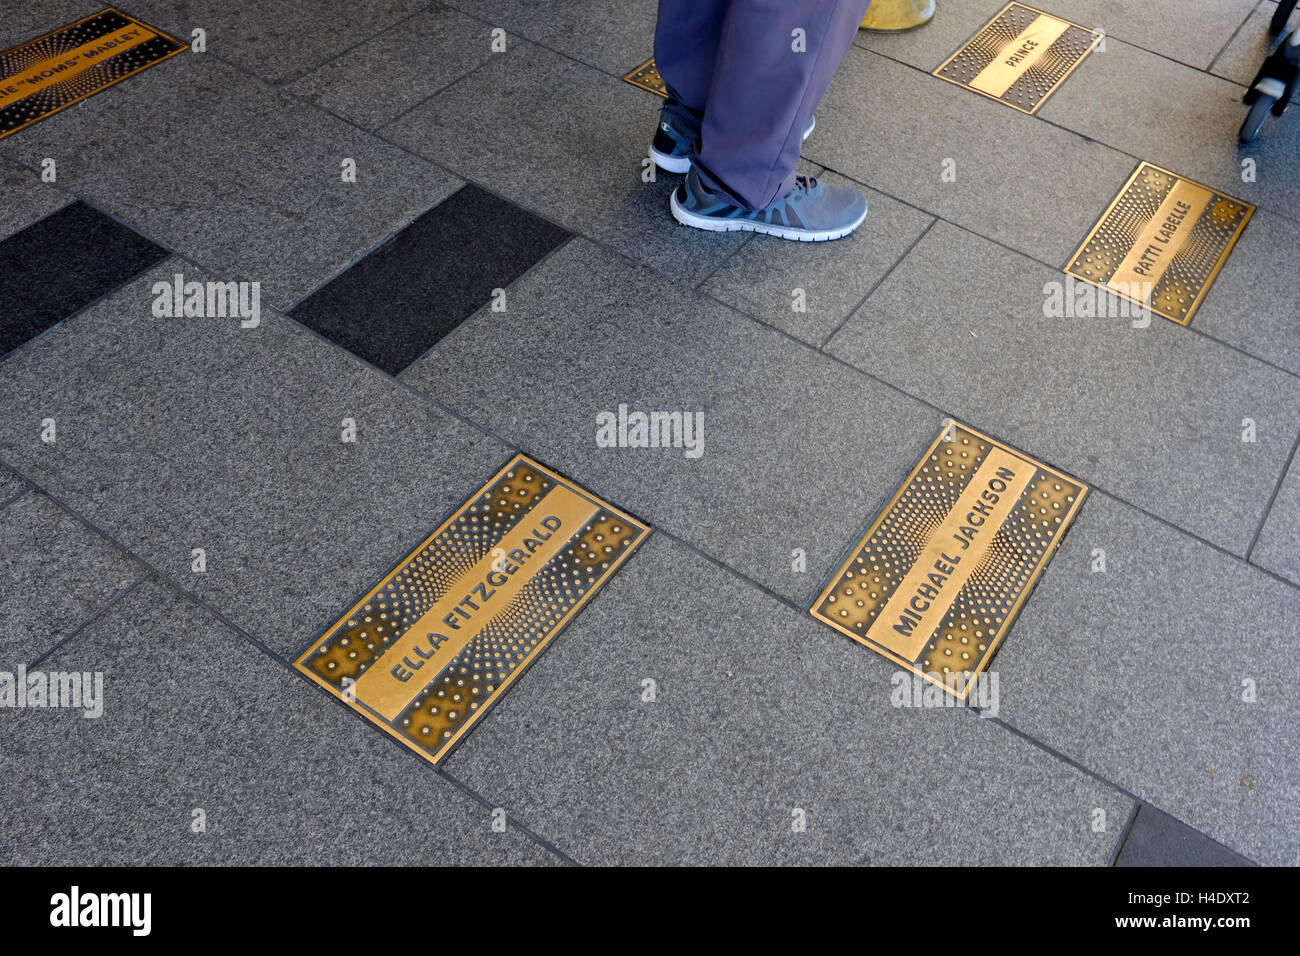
397 302
61 264
199 433
1157 839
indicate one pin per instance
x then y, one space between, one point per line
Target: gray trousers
740 75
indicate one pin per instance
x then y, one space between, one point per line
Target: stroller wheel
1259 111
1280 16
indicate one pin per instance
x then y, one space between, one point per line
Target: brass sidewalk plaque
1019 57
42 76
444 634
943 571
646 77
1163 238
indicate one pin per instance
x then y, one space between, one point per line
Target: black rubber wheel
1280 16
1259 111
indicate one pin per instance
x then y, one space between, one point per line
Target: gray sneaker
671 147
811 212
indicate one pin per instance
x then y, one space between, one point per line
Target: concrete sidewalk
1141 717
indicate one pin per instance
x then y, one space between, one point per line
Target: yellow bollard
895 16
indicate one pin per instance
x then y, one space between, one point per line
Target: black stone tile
61 264
397 302
1157 839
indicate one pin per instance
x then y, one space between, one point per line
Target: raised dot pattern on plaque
1057 60
414 587
62 92
903 532
647 78
1193 265
986 46
1118 232
964 638
650 78
516 634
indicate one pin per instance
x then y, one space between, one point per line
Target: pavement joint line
282 86
240 631
307 71
1094 485
252 639
372 134
790 603
6 502
1224 49
834 358
247 635
171 252
446 86
508 288
1096 776
30 485
218 273
575 232
1043 262
88 620
518 824
619 76
744 244
375 131
934 216
975 714
424 396
402 752
361 256
535 42
1294 220
1268 509
1061 16
876 285
399 749
1124 833
68 816
162 575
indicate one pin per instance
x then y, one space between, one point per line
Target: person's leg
686 45
763 89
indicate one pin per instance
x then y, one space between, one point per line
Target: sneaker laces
802 186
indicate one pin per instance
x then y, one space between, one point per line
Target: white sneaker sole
743 225
670 164
682 164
